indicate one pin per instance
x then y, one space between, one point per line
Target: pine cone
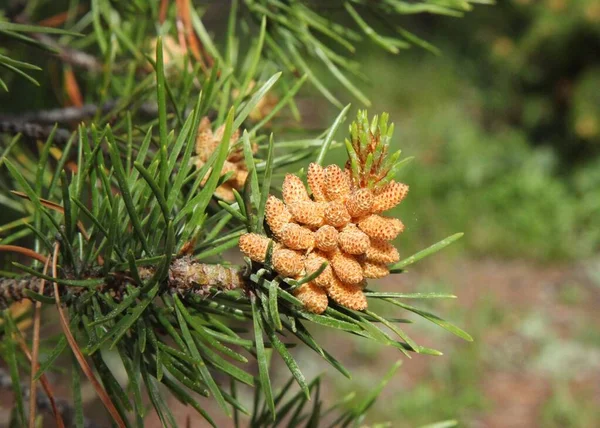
338 225
336 220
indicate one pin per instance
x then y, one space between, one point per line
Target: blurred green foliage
510 196
537 62
504 127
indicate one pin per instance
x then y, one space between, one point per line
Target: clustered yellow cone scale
206 143
341 223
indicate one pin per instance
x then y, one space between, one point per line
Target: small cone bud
225 192
391 196
379 227
375 270
297 237
204 124
197 160
337 186
353 241
235 137
219 135
313 297
382 252
287 263
316 181
308 212
236 156
293 190
360 203
326 238
312 263
204 145
234 167
276 214
346 267
348 295
336 214
254 246
228 167
205 140
239 179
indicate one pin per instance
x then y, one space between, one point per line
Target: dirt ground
536 337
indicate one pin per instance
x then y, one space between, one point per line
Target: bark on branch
186 276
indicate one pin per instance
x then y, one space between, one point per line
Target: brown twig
60 18
72 87
25 251
205 59
180 27
54 206
162 11
183 16
71 56
87 370
45 384
35 351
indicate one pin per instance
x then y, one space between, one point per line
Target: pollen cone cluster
234 166
173 55
263 107
341 224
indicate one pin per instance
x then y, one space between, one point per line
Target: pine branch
71 114
34 131
186 277
71 56
139 191
106 278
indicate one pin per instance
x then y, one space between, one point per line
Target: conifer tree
127 213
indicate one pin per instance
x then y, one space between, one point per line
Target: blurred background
504 125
